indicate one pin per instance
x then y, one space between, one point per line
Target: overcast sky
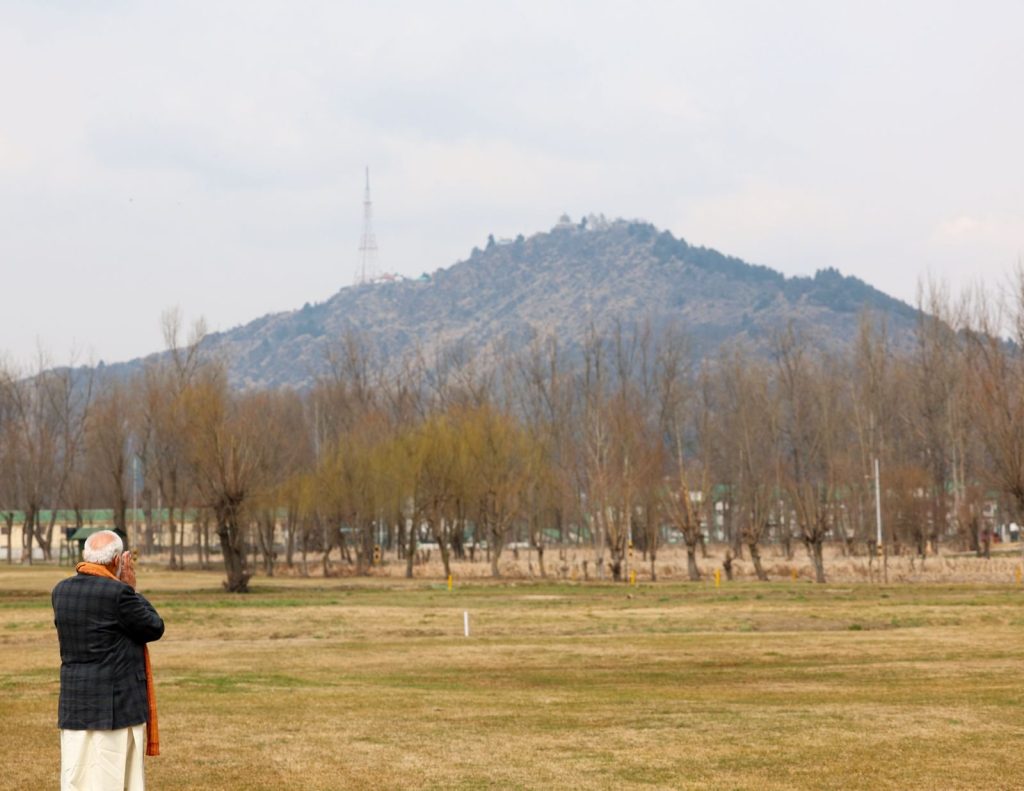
209 155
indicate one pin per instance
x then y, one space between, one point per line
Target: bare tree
997 388
46 416
546 401
749 414
616 447
287 454
228 454
686 418
501 465
164 430
809 421
439 473
9 496
938 395
109 447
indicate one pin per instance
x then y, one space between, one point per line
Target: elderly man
106 687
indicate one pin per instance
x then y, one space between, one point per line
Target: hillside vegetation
559 284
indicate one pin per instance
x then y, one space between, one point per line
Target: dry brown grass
356 683
572 564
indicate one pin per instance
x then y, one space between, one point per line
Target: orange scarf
152 731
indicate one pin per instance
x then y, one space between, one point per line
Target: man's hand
127 574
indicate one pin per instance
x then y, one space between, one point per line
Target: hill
560 282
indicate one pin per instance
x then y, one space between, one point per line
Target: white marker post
465 621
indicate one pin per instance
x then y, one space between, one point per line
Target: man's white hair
106 552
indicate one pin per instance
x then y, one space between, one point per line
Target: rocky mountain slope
593 273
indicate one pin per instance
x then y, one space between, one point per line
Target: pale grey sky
210 155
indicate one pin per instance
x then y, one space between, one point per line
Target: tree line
614 446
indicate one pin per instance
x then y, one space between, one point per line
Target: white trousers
102 760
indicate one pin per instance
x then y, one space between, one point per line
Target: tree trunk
370 533
326 544
401 545
442 547
691 561
363 542
265 532
616 566
814 546
304 549
755 556
41 538
181 544
787 538
28 531
737 545
48 545
252 545
232 546
343 550
458 546
411 555
973 537
172 526
289 551
120 509
9 519
204 529
617 552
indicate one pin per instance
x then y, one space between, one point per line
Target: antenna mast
368 243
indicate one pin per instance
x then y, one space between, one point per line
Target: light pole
878 522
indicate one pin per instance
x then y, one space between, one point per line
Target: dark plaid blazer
102 625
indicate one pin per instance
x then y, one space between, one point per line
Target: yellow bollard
795 575
718 577
449 582
632 577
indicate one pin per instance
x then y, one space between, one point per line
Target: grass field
338 684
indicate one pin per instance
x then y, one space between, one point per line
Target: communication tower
368 243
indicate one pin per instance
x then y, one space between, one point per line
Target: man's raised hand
127 569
